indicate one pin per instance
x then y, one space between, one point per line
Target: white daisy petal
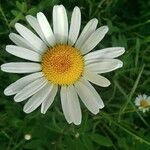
60 23
87 97
144 110
50 98
37 99
30 89
23 53
35 25
21 67
46 29
86 32
111 52
144 96
137 101
74 26
94 39
74 106
65 104
35 41
20 41
94 92
140 96
96 79
104 66
21 83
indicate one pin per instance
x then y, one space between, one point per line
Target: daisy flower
60 60
143 102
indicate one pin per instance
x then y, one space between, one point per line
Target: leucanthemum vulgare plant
143 102
61 58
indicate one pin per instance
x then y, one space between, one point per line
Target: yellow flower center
62 64
144 103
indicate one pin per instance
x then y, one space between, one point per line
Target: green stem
132 91
125 129
4 17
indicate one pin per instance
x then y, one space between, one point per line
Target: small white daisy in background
143 102
27 137
61 59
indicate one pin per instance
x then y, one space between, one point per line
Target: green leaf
18 5
122 143
101 140
16 19
15 12
33 144
87 142
32 11
21 6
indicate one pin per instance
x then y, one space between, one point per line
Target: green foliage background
120 125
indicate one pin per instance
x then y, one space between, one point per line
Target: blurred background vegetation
120 125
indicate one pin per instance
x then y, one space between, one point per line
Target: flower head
143 102
60 57
27 137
